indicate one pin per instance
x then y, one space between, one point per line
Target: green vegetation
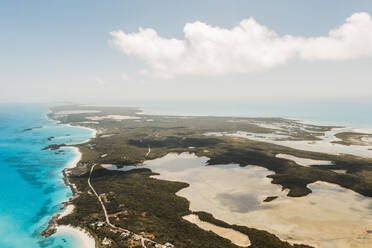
258 238
53 146
350 138
143 204
147 205
270 198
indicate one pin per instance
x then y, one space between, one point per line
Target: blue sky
59 50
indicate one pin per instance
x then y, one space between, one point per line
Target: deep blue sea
31 184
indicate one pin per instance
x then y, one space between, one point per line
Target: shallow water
235 237
31 184
329 217
324 145
304 161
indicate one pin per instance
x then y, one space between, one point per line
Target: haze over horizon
126 52
178 124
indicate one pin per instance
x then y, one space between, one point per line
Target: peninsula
133 208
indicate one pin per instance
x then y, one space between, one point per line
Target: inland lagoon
330 216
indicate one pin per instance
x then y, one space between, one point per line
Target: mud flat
235 237
329 217
304 161
327 144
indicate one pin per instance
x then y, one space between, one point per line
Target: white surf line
86 240
143 239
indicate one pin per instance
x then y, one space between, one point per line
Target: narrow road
99 198
143 239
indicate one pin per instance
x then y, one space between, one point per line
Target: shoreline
78 155
85 238
94 134
75 161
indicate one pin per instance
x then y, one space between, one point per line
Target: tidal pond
329 217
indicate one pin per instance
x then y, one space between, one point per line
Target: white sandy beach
76 159
94 132
85 239
66 211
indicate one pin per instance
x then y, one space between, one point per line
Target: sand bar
304 161
235 237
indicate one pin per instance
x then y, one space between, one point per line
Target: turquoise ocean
31 183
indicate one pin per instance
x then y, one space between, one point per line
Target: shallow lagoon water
329 217
32 188
324 145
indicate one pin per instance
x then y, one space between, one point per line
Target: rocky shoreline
52 225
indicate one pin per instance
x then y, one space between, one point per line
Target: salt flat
329 217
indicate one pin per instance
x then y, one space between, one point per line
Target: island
132 208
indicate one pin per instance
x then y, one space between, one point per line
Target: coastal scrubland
146 205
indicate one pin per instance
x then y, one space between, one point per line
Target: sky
128 52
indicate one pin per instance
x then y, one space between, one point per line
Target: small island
53 146
31 128
270 198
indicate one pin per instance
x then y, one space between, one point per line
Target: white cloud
248 47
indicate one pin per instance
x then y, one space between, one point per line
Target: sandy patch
340 171
72 112
277 126
73 163
304 161
94 132
112 117
86 240
324 146
235 237
67 210
106 135
254 136
89 122
367 139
